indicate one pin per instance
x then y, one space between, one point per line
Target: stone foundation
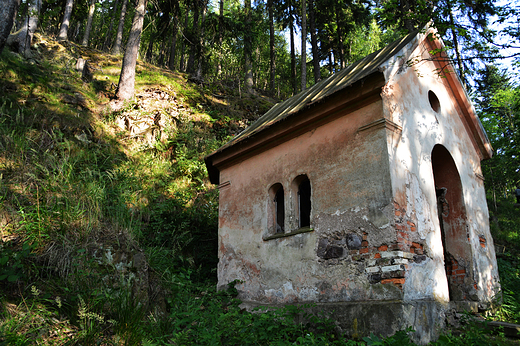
356 320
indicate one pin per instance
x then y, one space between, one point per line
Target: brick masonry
387 264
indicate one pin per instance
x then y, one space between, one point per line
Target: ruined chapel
364 195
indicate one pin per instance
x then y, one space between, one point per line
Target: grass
83 201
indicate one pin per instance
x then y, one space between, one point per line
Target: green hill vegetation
108 222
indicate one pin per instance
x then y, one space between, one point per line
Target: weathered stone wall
407 103
348 171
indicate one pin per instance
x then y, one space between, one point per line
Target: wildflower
35 292
58 302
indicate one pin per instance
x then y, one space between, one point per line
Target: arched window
302 185
276 222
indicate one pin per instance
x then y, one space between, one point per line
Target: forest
108 221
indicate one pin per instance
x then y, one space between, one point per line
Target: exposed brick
417 245
460 271
365 250
397 213
364 243
377 255
410 223
382 248
399 227
413 229
399 281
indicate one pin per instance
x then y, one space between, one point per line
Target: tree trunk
91 10
293 57
331 67
304 46
248 68
190 68
23 37
125 88
149 50
272 67
8 10
220 35
116 49
160 60
341 49
64 28
171 62
456 46
200 44
183 44
314 43
75 33
108 37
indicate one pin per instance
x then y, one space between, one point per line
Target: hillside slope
92 199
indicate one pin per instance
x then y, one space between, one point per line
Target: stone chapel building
364 195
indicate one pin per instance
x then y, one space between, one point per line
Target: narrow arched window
304 203
279 205
276 209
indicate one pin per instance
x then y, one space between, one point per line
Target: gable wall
351 199
406 103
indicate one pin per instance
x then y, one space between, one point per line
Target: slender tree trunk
293 57
116 49
331 66
125 88
314 43
171 62
160 60
248 68
148 55
272 67
8 11
64 28
108 37
220 35
91 10
194 38
183 44
456 46
75 33
339 31
304 47
201 40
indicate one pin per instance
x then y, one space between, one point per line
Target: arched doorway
452 219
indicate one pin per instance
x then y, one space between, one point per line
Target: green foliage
473 332
400 338
200 315
14 262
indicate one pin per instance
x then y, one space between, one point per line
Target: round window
434 101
